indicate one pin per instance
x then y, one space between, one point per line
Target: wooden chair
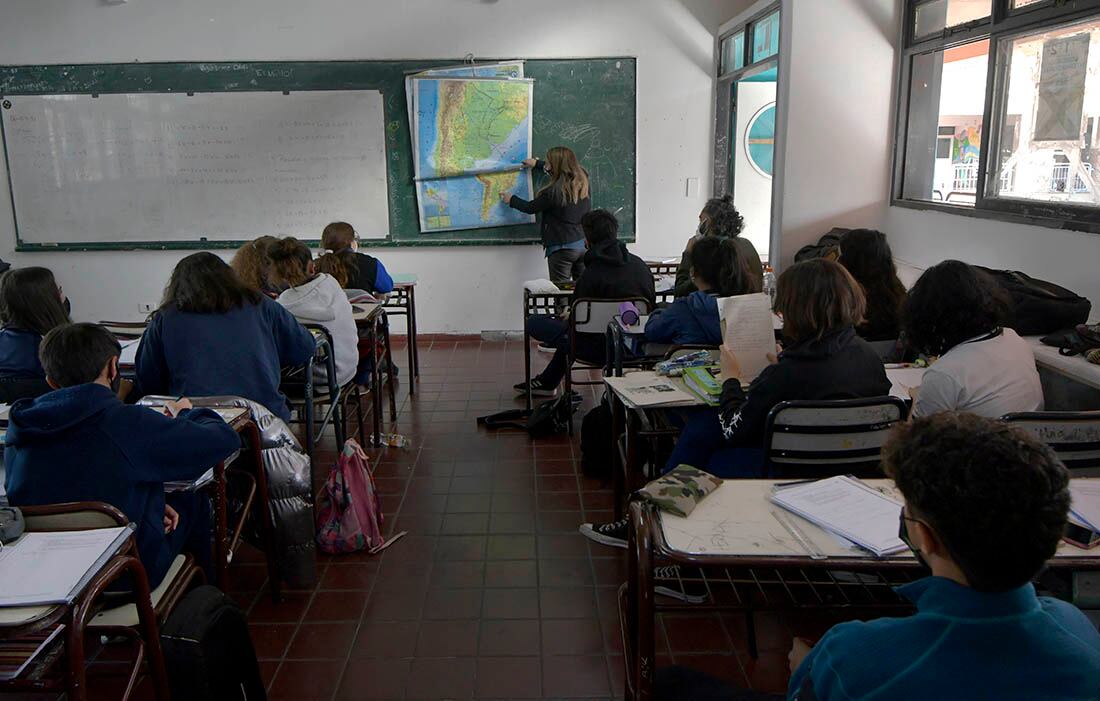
822 438
125 330
1073 435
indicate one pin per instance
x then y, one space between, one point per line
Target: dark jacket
368 274
612 272
560 221
82 444
745 249
19 354
689 320
240 352
839 366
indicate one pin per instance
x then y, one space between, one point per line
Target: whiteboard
165 167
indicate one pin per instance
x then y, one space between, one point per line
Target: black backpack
546 419
1040 307
208 651
596 454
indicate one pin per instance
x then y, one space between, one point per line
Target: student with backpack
562 203
721 219
81 443
31 305
213 335
351 268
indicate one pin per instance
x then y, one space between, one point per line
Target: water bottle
769 283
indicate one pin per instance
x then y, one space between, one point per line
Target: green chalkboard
587 104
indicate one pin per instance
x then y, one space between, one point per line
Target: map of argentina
470 136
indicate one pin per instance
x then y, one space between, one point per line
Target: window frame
1003 25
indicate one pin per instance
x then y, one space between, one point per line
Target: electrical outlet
692 188
145 307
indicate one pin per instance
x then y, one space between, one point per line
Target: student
563 202
352 269
958 312
252 264
717 270
823 358
611 272
214 336
985 507
720 218
81 443
31 305
867 256
316 299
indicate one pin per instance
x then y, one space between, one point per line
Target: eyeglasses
903 530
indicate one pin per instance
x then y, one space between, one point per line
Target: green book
703 384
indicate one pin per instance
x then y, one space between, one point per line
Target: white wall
462 290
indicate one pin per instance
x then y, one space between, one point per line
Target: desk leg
414 369
221 528
389 362
308 411
618 458
376 385
273 575
526 356
642 616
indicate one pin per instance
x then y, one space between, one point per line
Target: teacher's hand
530 162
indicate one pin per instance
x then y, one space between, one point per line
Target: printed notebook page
849 508
748 331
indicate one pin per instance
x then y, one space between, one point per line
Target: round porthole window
760 140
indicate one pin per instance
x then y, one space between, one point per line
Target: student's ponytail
339 259
722 218
333 264
290 259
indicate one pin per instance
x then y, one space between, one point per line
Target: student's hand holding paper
171 519
174 408
731 367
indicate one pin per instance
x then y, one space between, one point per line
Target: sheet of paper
129 352
648 389
904 379
1085 494
847 507
748 331
50 568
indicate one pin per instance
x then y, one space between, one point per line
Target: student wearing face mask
81 443
721 219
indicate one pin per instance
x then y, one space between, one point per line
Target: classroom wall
462 290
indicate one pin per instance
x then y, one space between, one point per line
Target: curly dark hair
721 218
995 496
867 256
951 303
717 262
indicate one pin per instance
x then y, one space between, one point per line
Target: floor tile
509 678
509 638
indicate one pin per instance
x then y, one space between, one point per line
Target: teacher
561 202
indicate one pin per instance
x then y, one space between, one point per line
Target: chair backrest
125 330
72 516
822 438
593 315
1073 436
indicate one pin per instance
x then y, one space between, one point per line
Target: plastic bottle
769 282
394 440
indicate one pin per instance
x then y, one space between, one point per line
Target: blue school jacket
19 354
81 443
240 353
688 320
961 644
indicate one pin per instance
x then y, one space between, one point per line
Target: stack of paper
129 352
703 384
1085 504
53 567
847 507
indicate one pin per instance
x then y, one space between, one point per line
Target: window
733 53
765 38
999 110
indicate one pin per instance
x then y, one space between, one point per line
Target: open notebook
53 567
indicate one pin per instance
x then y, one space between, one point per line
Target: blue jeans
554 332
702 445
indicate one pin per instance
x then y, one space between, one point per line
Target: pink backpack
349 515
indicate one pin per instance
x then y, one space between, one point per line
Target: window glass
765 37
733 53
943 142
1049 149
938 15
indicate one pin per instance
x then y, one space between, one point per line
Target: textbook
44 568
703 384
1085 502
647 389
847 507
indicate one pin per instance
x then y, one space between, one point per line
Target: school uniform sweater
689 320
240 352
960 645
560 222
82 444
322 301
19 354
840 365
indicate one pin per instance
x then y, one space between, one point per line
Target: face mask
702 229
903 534
116 383
68 307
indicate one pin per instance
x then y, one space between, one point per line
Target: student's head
568 181
291 262
76 354
720 218
599 225
205 284
339 236
30 299
981 496
339 241
867 256
251 262
816 297
953 302
717 267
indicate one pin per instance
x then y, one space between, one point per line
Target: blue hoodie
960 644
240 352
19 354
688 320
82 444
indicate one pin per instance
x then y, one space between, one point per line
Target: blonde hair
567 178
290 259
252 264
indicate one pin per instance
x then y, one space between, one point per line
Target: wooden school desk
402 302
748 560
371 318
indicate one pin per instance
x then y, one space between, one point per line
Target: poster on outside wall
1062 89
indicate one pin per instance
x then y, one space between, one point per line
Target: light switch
692 187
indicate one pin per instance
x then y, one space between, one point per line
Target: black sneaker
538 389
684 584
613 534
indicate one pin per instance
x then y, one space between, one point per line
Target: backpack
207 649
349 513
547 419
596 454
1040 307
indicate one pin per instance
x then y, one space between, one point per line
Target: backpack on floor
349 513
208 651
596 454
1040 307
546 419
